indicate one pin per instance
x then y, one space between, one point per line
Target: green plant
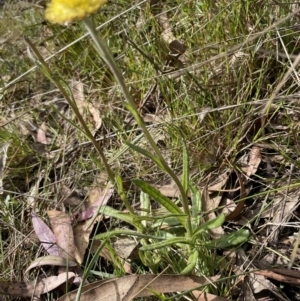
184 226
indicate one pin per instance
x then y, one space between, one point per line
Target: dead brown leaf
98 193
62 229
279 277
209 205
35 287
51 260
203 296
82 238
71 198
124 248
254 161
44 234
128 287
274 212
84 106
218 183
78 94
41 135
110 254
170 191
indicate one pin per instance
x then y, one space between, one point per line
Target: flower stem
130 105
86 130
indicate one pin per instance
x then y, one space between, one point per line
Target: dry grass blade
3 156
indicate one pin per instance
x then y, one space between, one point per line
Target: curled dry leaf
35 287
82 104
82 231
129 287
219 183
82 238
41 135
77 90
170 190
34 191
62 228
44 234
110 254
71 198
124 249
51 260
254 161
209 205
100 201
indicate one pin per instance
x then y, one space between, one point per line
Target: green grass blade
185 174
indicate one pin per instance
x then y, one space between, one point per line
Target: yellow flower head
65 11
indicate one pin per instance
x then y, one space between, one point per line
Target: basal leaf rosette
65 11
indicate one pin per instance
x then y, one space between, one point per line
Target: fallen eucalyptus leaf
51 260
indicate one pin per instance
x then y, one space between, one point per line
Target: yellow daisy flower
65 11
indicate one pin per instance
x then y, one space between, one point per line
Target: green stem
81 121
130 105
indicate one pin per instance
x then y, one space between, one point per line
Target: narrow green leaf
126 217
160 198
160 219
170 221
192 261
109 234
230 240
145 206
185 174
196 206
211 224
165 243
146 154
